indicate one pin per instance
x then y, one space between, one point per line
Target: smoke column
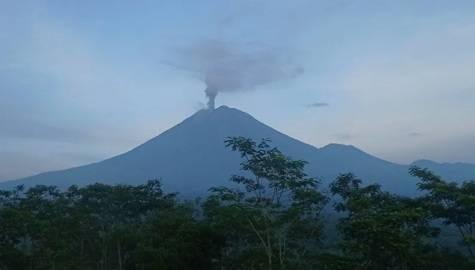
226 67
211 94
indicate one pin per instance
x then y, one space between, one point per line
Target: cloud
39 130
415 134
58 93
425 81
318 105
343 136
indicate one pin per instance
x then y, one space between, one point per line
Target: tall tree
381 230
275 214
451 202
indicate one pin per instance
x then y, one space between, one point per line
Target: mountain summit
191 157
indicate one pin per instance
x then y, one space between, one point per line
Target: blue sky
81 81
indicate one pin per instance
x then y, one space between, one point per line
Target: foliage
273 221
453 203
99 227
270 219
383 230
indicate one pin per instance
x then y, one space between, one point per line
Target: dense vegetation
271 219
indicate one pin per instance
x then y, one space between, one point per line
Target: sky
81 81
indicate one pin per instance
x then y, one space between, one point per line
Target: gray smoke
211 94
226 67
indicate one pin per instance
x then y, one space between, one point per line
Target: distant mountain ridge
191 157
456 171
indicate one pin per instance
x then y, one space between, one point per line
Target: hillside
191 157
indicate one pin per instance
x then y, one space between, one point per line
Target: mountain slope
451 171
191 157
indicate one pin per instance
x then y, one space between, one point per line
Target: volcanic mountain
191 157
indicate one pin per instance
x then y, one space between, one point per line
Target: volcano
191 157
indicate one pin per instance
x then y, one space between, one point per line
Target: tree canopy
269 217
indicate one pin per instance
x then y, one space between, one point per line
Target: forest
273 216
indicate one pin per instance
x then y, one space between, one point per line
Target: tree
273 221
269 219
451 202
98 227
382 230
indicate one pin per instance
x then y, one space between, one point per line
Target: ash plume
226 67
211 94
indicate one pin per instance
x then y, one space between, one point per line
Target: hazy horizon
81 82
